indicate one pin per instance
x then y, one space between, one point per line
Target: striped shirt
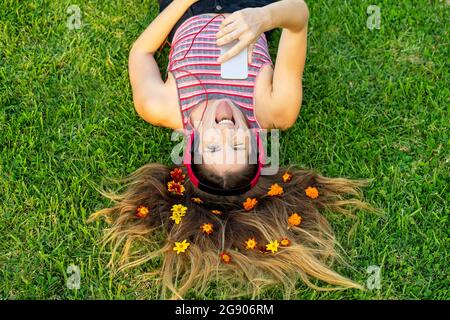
197 73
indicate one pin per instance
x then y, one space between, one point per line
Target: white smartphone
236 67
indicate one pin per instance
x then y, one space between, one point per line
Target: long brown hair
312 246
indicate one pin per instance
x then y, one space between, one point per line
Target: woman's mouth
225 121
224 114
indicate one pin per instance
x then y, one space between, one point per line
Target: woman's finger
225 30
230 36
229 19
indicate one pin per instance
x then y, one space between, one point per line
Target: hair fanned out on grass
309 244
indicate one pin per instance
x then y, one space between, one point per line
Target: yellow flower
294 219
250 203
207 228
178 212
251 244
181 246
287 177
272 246
216 212
312 192
142 211
176 219
275 190
179 209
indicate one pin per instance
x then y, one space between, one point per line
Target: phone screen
236 67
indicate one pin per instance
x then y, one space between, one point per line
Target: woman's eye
213 148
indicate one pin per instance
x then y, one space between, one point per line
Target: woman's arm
152 99
283 107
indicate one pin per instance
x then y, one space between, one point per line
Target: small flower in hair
178 212
251 244
285 242
225 257
207 228
263 249
180 247
175 187
295 220
272 246
216 212
250 203
275 190
197 200
142 211
286 177
177 175
312 192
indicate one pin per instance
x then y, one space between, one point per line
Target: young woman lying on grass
220 218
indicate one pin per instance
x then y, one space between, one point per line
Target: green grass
376 105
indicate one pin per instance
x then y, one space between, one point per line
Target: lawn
375 105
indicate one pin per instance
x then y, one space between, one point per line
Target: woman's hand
247 25
189 1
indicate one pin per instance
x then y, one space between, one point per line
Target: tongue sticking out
224 112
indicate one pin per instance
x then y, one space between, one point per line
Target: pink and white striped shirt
197 73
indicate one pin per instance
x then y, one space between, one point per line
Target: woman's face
224 137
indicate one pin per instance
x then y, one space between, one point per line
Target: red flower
263 249
175 188
177 175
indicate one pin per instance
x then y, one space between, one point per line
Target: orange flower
251 244
294 220
275 190
175 187
197 200
207 228
250 203
225 257
312 192
177 175
285 242
287 177
142 211
216 212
